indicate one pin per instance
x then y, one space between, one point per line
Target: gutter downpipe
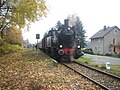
103 46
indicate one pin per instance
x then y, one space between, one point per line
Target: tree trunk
1 34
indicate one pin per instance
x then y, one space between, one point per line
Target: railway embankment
29 71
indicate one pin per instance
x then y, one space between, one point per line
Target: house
106 41
26 44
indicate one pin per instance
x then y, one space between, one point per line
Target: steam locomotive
61 44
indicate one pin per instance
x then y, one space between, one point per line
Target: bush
12 41
107 54
113 55
6 48
88 51
118 54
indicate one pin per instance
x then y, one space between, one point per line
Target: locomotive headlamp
78 46
61 46
68 28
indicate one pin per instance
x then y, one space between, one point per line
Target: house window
95 48
113 40
115 31
110 49
99 40
99 49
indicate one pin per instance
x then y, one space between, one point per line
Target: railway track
103 79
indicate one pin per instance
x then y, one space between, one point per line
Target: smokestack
66 22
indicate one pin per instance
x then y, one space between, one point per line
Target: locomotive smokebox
66 22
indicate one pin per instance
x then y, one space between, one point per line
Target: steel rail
102 86
98 70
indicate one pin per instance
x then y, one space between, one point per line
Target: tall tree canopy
78 27
20 12
58 24
80 32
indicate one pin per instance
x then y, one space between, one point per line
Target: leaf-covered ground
27 71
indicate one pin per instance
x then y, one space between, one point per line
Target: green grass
101 66
85 60
115 69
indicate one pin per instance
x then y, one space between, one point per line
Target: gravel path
103 59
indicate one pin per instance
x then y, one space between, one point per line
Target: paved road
103 59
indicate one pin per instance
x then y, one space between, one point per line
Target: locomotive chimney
66 22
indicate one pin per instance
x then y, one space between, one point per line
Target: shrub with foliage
118 55
113 55
88 51
6 48
108 54
12 41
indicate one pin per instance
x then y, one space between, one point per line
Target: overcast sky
94 14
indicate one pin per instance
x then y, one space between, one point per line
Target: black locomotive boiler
62 44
